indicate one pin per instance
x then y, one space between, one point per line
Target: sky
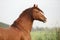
11 9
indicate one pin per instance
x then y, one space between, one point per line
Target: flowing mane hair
26 11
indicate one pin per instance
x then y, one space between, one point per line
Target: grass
43 35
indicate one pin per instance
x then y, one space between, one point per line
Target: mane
26 10
15 23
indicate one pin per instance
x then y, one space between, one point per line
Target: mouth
44 21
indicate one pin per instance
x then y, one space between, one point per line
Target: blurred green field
44 35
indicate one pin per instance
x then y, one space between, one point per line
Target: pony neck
24 22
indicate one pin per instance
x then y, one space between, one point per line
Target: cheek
35 16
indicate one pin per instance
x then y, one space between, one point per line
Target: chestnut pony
21 27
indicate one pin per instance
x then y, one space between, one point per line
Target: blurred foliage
3 25
43 35
46 34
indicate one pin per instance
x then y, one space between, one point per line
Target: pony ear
35 5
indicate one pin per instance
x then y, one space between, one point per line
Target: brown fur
21 28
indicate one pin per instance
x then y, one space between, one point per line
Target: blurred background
11 9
